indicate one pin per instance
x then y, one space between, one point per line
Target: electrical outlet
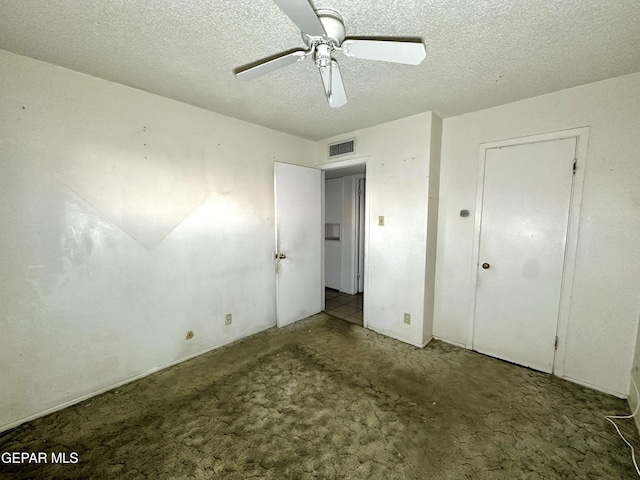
407 318
227 319
189 335
381 220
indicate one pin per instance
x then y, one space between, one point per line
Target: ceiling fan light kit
323 33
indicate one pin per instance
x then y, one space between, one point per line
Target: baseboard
637 423
396 337
633 399
573 380
87 396
595 387
451 342
427 342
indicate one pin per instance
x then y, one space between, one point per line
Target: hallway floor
325 399
344 306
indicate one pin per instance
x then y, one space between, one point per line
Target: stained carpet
325 399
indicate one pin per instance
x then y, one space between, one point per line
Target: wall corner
435 147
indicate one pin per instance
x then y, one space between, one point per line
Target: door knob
485 265
280 256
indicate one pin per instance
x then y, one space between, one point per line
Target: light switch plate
381 220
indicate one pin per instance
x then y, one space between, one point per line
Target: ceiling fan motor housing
322 55
333 26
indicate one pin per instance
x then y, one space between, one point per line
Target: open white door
298 196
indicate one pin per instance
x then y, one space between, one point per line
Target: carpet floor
325 399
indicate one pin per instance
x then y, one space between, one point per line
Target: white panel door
523 232
298 242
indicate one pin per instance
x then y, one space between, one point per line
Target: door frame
364 160
581 135
360 222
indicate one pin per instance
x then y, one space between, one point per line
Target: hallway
344 306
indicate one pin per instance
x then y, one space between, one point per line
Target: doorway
525 246
344 226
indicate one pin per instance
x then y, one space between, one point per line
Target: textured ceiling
479 54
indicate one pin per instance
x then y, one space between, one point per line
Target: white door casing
360 223
298 258
526 230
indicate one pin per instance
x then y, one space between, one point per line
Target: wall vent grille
342 148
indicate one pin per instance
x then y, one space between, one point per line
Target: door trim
581 135
360 221
343 163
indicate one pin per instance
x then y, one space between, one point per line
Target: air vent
342 148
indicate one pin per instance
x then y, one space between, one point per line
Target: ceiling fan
323 33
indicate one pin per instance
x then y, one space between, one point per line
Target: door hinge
575 164
555 345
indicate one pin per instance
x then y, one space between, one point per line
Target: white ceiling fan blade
270 65
333 85
303 15
411 53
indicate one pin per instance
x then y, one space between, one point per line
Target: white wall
398 188
635 376
349 239
599 344
340 259
126 220
333 206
